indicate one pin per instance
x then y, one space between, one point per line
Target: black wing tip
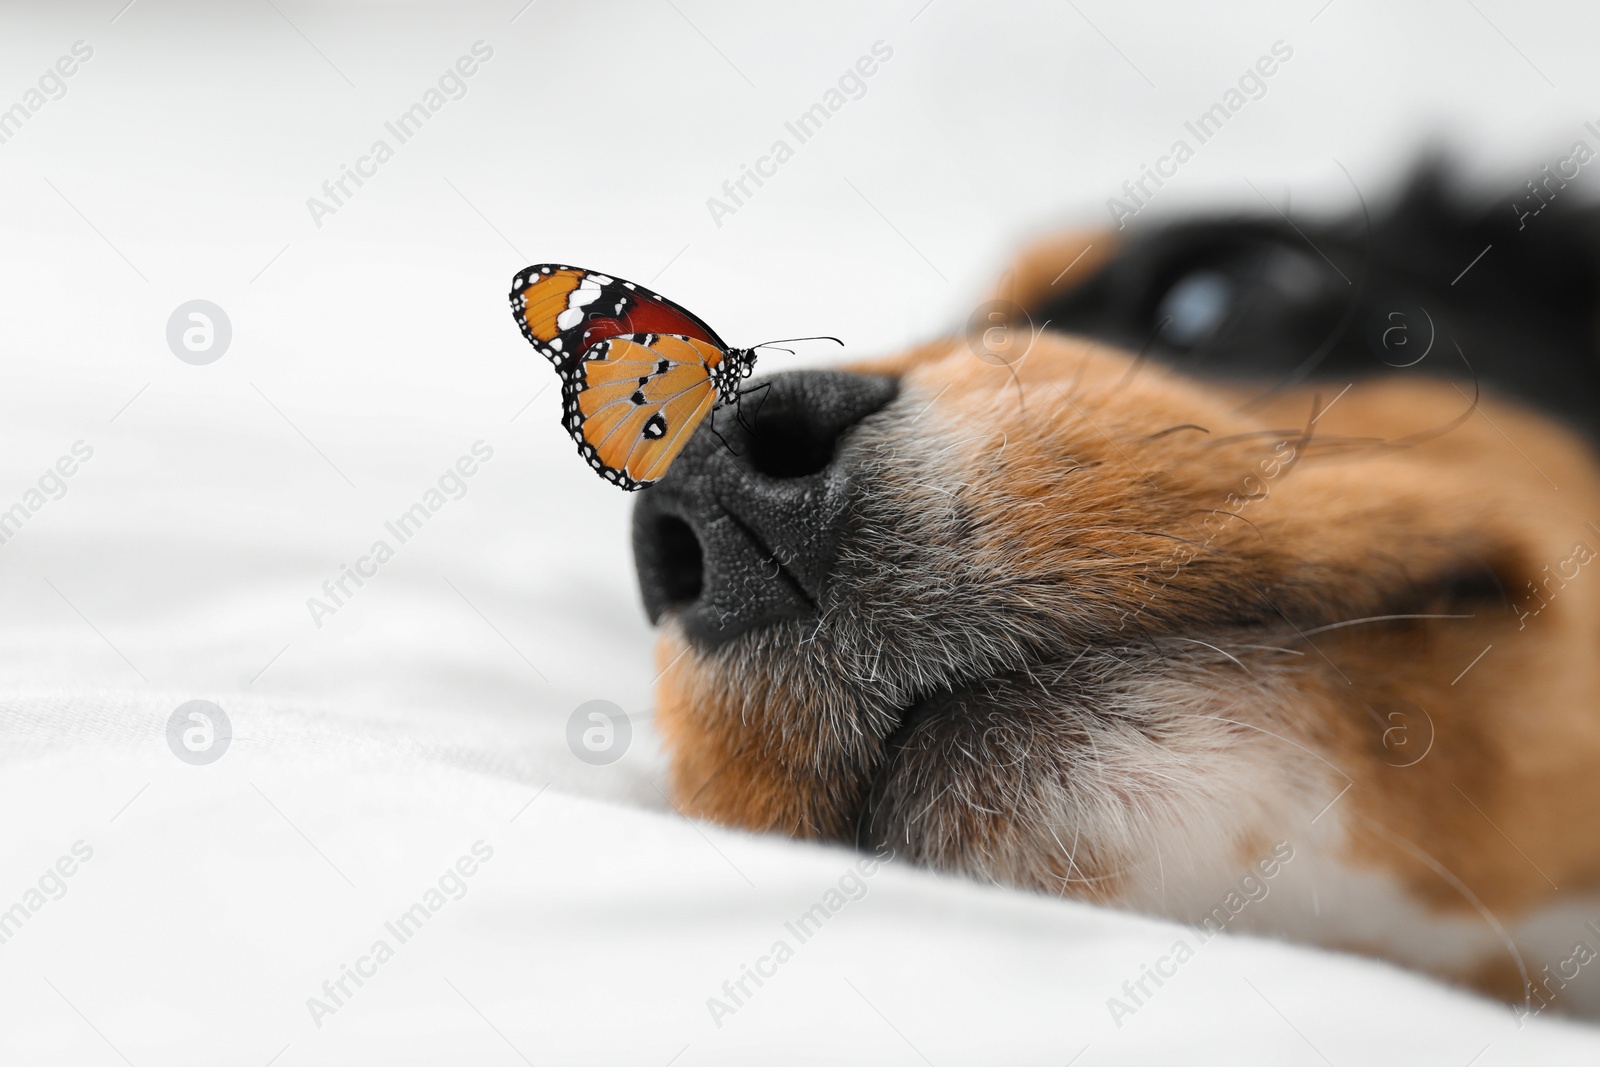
550 268
525 277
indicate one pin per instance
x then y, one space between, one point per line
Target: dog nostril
788 444
792 424
679 562
742 532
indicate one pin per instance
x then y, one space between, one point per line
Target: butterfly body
638 372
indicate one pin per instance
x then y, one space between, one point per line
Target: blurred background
370 340
356 343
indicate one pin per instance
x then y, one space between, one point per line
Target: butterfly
638 372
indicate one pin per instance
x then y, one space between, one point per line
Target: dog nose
743 529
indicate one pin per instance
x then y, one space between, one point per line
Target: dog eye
1194 307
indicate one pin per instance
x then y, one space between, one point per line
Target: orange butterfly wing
544 299
563 310
636 399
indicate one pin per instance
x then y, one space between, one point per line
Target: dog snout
743 530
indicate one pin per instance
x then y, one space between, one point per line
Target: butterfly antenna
788 340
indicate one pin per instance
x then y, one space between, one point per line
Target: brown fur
1175 510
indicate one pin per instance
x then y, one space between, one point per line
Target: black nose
743 530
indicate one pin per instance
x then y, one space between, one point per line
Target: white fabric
219 900
428 712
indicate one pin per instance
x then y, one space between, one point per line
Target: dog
1236 570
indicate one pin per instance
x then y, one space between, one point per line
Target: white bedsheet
217 901
375 746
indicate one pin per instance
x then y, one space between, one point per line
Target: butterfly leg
711 424
738 410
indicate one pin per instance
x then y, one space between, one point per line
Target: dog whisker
1175 537
1232 515
1175 429
1214 648
1377 618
